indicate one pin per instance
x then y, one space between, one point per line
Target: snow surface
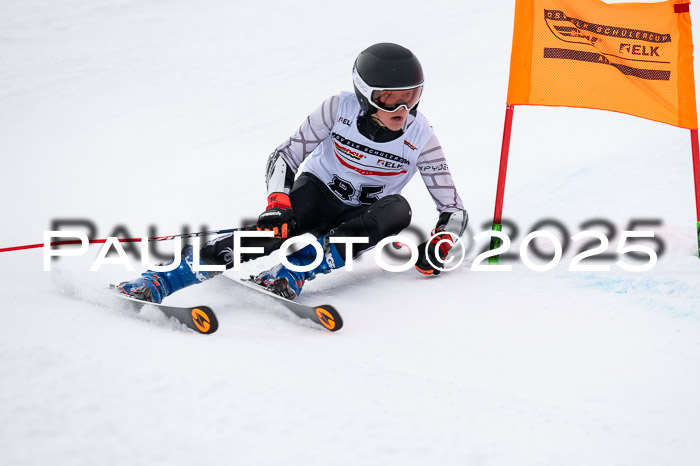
154 113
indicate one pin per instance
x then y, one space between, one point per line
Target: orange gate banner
634 58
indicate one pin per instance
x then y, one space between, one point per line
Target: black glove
436 254
278 217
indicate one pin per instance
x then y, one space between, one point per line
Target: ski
324 315
201 319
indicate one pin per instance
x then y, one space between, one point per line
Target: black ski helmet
386 66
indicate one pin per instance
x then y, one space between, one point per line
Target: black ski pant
318 211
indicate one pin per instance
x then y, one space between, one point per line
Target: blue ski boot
288 283
154 286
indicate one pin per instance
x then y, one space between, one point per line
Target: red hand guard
278 200
429 252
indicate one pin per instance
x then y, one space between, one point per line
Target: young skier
360 150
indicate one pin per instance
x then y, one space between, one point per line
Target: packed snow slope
159 115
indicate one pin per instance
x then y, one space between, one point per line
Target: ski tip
204 320
329 317
324 315
201 319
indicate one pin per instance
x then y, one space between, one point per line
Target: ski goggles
388 99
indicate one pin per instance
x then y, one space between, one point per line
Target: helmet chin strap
376 120
373 130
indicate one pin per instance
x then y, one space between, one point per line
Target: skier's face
392 120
